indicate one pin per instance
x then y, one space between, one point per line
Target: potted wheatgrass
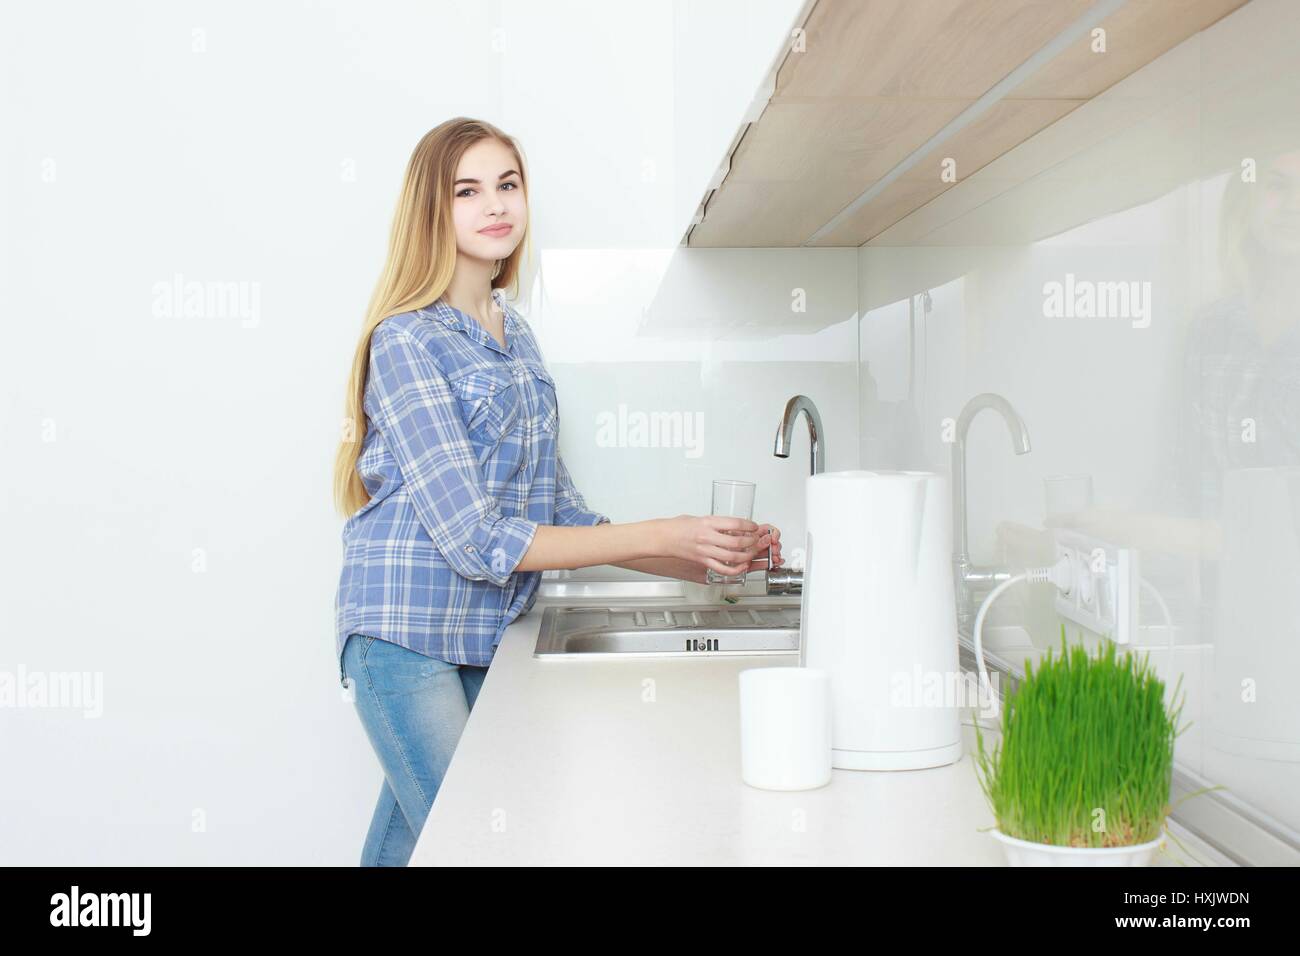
1082 774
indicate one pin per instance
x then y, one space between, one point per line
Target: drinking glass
733 499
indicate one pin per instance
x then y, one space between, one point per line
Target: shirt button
492 388
469 547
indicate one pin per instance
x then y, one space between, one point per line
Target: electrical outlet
1104 581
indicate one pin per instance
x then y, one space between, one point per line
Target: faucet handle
783 581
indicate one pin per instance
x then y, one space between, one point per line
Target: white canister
785 728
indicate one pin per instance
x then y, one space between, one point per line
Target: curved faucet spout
969 578
1015 424
1019 444
785 432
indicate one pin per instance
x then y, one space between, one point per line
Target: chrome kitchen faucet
785 431
783 580
968 579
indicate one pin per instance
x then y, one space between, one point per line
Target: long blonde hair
1239 249
1234 231
421 261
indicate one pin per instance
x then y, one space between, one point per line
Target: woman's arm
727 545
1198 537
564 546
690 571
667 568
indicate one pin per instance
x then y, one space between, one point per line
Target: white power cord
1058 574
1164 608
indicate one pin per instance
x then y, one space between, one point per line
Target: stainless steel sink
676 630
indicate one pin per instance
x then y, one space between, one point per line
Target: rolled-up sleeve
419 419
570 507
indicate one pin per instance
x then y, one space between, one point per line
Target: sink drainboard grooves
682 631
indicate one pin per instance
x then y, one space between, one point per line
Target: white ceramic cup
785 728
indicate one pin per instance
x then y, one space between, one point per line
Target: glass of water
732 499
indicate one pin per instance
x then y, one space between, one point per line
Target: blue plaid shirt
462 464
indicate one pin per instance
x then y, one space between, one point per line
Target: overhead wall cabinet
879 106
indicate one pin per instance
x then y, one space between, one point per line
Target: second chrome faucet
969 580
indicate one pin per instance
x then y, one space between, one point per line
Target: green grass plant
1086 751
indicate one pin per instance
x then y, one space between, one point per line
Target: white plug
1060 574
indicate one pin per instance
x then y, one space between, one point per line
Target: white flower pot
1024 853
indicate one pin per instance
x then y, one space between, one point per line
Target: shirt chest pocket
490 404
548 408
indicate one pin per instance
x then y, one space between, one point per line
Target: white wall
168 479
726 338
1128 188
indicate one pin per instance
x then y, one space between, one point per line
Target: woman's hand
727 545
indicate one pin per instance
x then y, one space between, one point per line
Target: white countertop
637 762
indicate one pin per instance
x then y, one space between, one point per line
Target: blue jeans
413 708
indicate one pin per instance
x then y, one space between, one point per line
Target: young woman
450 476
